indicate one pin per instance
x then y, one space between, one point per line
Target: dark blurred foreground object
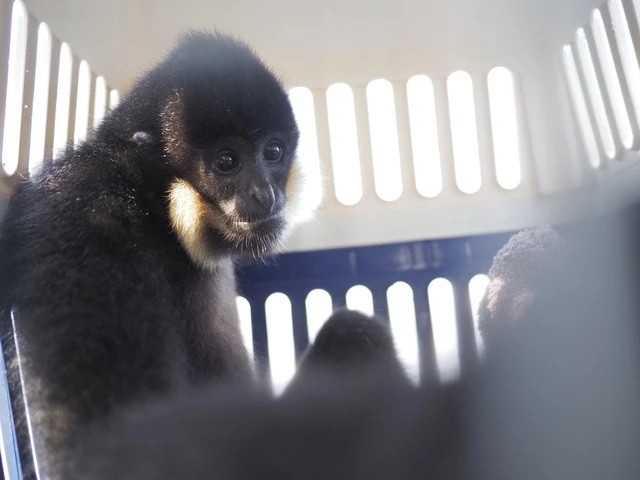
348 343
557 398
518 273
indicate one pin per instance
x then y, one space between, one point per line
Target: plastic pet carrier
431 129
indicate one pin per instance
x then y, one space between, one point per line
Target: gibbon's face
231 137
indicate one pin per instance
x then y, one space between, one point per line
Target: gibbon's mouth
255 238
249 224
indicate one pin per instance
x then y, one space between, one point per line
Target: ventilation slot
628 57
345 155
402 316
63 101
302 102
611 80
280 341
360 298
15 86
595 95
504 127
318 306
464 133
40 99
100 102
244 315
114 99
580 107
383 132
82 103
445 332
424 136
477 289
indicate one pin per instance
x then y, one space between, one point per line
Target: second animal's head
226 136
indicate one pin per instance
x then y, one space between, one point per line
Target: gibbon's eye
226 162
273 152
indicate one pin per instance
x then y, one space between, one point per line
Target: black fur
110 307
348 342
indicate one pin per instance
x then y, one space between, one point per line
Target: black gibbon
117 259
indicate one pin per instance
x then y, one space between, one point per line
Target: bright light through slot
595 95
445 330
384 140
628 57
82 103
61 127
611 80
246 329
40 99
301 100
114 99
15 86
580 107
345 157
464 134
360 298
504 127
318 306
282 360
424 135
100 102
477 288
402 316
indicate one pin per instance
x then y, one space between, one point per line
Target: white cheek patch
189 215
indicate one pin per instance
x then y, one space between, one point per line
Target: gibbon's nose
263 199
